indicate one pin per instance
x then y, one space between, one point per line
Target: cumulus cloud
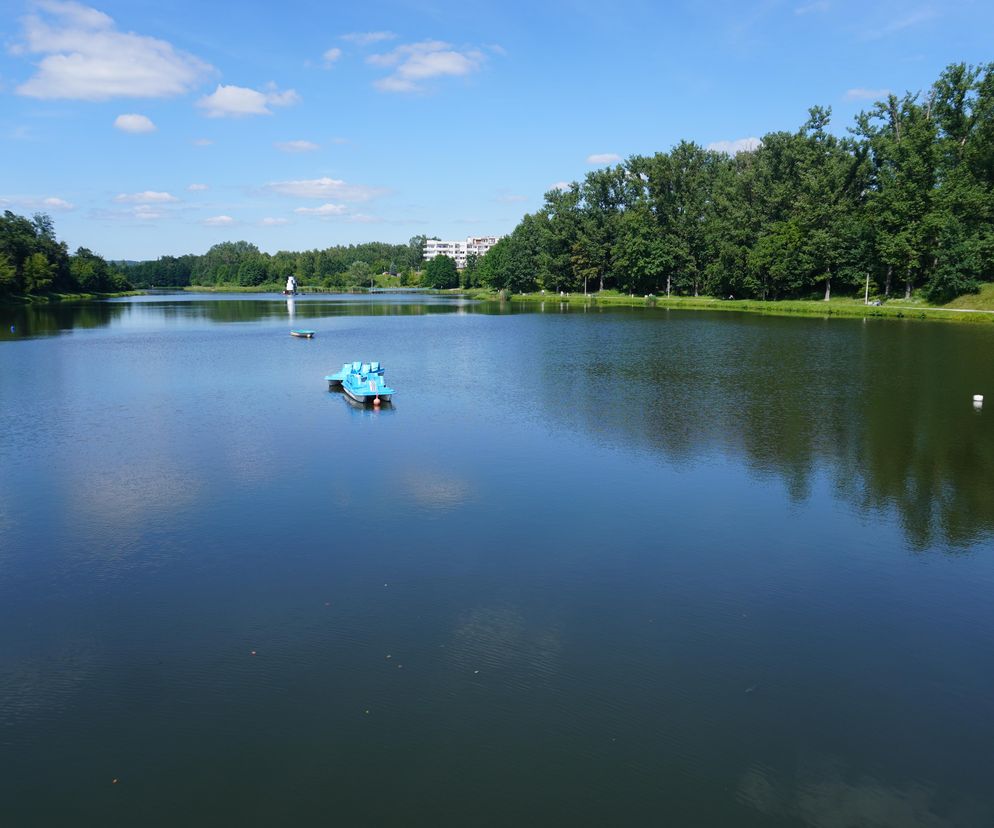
136 212
296 146
86 58
331 55
414 63
239 101
197 188
145 197
603 158
50 203
366 38
736 146
860 94
324 188
323 210
53 203
273 222
219 221
134 123
146 212
559 185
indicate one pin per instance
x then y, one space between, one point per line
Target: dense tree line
33 260
906 199
242 263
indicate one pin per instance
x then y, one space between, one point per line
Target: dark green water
613 567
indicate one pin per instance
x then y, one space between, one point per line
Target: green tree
37 273
901 138
8 274
563 216
416 252
469 277
89 271
440 273
640 253
358 274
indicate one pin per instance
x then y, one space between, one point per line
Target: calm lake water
602 567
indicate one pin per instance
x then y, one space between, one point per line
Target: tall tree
440 273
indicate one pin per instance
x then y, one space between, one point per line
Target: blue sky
148 128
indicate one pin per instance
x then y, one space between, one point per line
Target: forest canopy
33 260
905 199
242 263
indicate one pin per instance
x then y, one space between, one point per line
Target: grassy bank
958 311
44 298
984 300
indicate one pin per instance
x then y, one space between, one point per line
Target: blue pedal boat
362 383
335 380
303 334
367 388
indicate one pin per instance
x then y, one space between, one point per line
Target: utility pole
866 298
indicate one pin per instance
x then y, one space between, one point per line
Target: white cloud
146 197
366 38
137 212
417 62
197 188
323 210
559 185
219 221
52 203
146 212
362 218
35 203
324 188
134 123
331 55
296 146
239 101
202 142
273 222
736 146
866 94
603 158
87 58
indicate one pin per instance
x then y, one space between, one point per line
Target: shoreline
846 307
842 307
54 298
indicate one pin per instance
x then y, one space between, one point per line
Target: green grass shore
44 298
974 308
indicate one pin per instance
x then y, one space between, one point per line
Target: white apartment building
458 250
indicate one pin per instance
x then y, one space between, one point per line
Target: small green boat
302 333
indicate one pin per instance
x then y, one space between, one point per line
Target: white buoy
978 398
978 402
